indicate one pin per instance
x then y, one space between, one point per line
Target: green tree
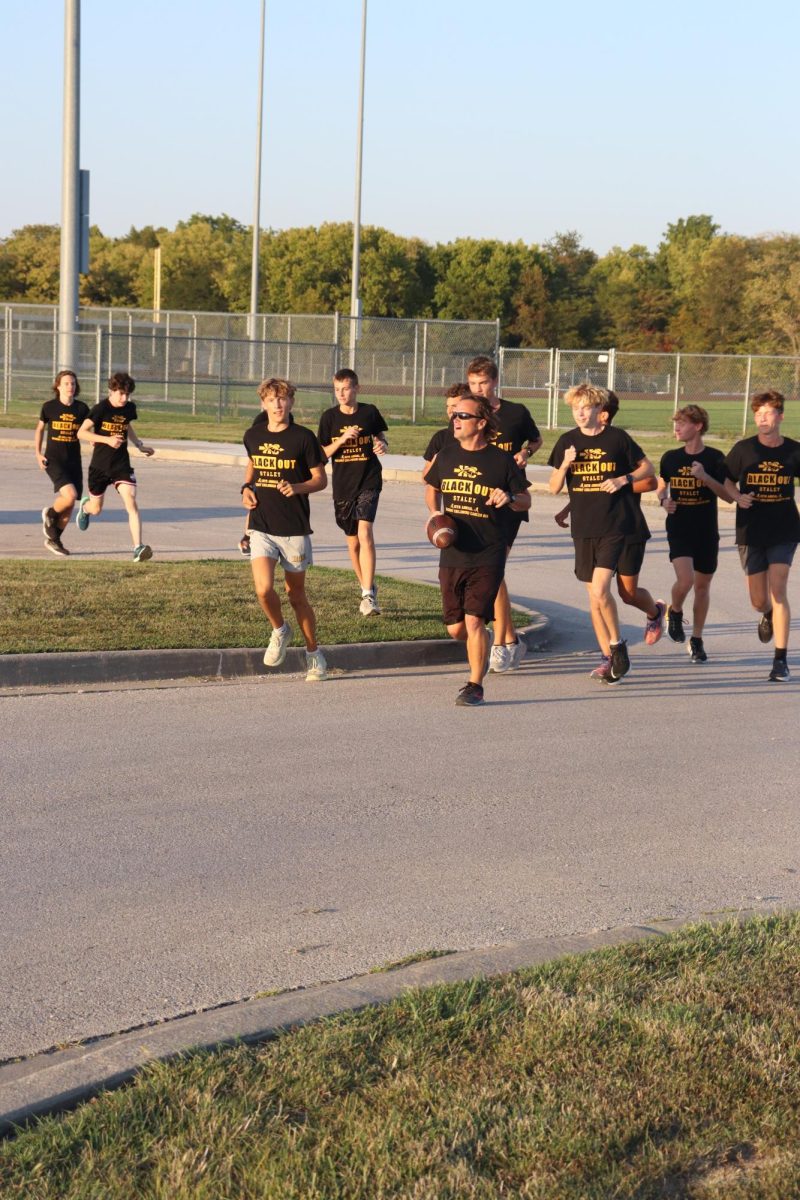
633 299
30 264
573 316
478 280
772 295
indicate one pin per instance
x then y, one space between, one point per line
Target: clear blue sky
502 118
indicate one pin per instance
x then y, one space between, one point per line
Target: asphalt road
172 847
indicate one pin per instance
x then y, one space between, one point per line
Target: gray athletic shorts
756 559
293 553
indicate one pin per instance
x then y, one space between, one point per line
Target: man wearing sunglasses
481 488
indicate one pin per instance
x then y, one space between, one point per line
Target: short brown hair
121 381
485 413
772 398
345 373
456 390
276 387
58 379
483 365
693 413
597 397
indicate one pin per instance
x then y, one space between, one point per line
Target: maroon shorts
470 590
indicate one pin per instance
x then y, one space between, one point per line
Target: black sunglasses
465 416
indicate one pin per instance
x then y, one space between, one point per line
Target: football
441 530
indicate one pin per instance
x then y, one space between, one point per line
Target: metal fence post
676 401
194 366
424 365
612 369
496 338
336 339
7 360
747 393
130 343
55 342
501 363
288 347
166 362
550 388
221 359
414 386
98 362
556 386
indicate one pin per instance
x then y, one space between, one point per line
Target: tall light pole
70 188
355 301
251 331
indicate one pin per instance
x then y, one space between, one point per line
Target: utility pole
70 189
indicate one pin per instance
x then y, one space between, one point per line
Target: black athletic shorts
470 590
99 480
631 559
349 512
756 559
597 552
704 554
62 473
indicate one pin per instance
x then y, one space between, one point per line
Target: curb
84 668
57 1080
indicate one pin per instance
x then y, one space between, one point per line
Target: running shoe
765 627
316 666
55 547
81 517
603 671
620 663
142 553
697 652
655 625
470 694
675 625
369 605
244 545
49 523
278 645
500 659
517 651
779 672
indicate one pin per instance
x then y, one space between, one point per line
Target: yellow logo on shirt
466 472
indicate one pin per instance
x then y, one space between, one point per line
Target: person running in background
444 437
691 477
61 418
109 428
286 466
518 435
352 436
761 473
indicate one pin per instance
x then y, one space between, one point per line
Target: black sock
780 655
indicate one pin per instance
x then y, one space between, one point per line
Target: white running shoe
499 659
278 645
316 666
518 651
369 605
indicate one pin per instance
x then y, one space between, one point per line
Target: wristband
245 486
629 479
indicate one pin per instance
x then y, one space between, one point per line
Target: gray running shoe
278 645
316 666
469 695
499 659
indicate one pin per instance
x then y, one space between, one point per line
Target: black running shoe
780 671
620 663
765 627
697 653
50 523
471 693
675 625
55 547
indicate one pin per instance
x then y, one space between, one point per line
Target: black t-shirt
466 478
517 427
63 422
356 467
696 512
607 455
112 422
289 454
768 474
641 530
442 437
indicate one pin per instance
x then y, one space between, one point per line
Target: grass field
666 1069
64 605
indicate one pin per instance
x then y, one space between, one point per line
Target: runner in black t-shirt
690 479
444 437
518 435
109 428
286 465
761 473
481 488
61 417
630 560
351 434
600 465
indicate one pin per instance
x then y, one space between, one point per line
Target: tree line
700 290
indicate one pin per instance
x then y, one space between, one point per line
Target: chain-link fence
208 364
651 386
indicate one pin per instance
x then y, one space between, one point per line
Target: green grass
665 1069
64 605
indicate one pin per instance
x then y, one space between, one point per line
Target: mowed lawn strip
663 1069
209 603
